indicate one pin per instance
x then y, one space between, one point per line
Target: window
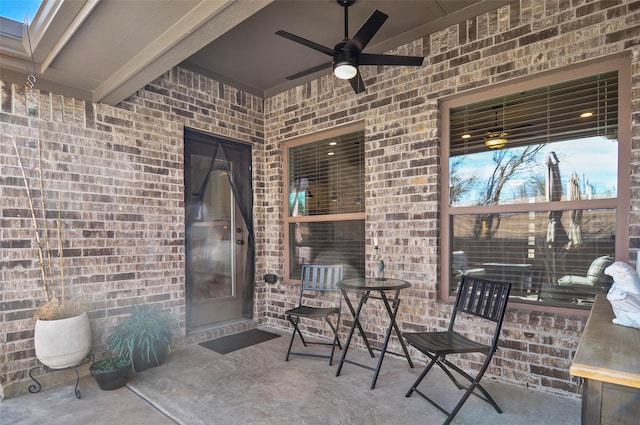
533 191
325 202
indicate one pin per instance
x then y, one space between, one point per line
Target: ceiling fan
347 55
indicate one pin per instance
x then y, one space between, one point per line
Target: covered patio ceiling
103 51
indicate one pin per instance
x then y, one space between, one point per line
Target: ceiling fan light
496 140
345 70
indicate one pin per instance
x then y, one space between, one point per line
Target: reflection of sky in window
18 9
593 159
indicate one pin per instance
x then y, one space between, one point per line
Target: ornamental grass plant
47 231
146 332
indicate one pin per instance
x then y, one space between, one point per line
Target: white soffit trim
70 31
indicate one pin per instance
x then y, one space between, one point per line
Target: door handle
239 241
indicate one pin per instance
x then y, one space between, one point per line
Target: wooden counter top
608 352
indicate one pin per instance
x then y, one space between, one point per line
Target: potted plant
144 337
111 372
63 339
62 335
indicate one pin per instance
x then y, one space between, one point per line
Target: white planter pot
62 343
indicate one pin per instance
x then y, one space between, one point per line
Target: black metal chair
316 280
484 299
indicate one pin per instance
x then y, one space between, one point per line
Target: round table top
372 283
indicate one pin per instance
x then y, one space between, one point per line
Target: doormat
229 343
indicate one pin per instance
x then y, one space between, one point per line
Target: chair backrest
482 298
321 277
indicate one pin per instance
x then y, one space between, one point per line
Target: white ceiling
105 50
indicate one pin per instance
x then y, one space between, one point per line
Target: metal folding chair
317 280
484 299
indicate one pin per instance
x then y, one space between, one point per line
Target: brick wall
119 171
400 112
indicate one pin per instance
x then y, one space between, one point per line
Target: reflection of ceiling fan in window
347 55
571 110
501 133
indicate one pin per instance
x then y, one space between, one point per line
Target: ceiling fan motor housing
345 57
345 3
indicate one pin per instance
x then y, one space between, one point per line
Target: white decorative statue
624 294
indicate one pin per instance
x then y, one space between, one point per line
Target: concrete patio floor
256 386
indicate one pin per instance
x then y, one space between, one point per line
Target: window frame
619 63
312 138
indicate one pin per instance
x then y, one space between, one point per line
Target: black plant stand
35 388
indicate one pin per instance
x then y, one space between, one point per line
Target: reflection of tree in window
459 186
508 164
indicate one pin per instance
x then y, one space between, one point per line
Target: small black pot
141 362
111 379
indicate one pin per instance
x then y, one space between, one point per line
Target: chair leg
441 363
336 340
297 329
294 320
293 334
461 402
475 382
421 377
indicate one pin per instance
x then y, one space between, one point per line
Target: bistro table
365 286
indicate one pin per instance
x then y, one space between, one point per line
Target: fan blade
357 83
315 46
310 71
367 31
374 59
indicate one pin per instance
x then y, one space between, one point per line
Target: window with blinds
582 108
533 196
325 203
